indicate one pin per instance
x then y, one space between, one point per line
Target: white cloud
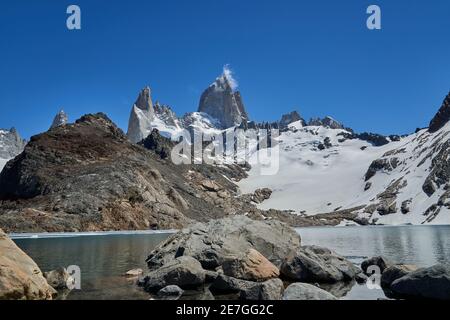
228 74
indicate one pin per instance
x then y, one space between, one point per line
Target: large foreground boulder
425 283
316 264
185 272
20 277
214 242
305 291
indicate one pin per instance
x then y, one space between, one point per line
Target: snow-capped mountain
222 102
60 119
325 169
220 108
11 144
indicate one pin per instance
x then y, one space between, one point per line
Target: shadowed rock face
222 103
442 117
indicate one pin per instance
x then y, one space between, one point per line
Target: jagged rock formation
20 277
11 144
221 102
289 118
442 117
60 119
326 122
141 117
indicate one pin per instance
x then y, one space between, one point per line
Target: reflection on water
103 259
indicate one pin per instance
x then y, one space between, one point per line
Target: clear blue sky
314 56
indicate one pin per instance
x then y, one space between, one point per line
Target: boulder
250 265
379 261
59 279
269 290
305 291
171 292
425 283
185 272
134 273
316 264
395 272
20 277
213 242
248 290
226 284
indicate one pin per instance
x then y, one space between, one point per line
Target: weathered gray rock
316 264
20 277
269 290
172 292
305 291
213 242
248 290
378 261
185 272
395 272
59 279
425 283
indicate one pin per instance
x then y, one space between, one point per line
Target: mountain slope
326 170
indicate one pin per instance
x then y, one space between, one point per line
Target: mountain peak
60 119
222 102
144 100
442 116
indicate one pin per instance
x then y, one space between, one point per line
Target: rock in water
59 279
185 272
442 117
269 290
379 261
170 292
212 242
223 103
395 272
141 117
60 119
20 277
425 283
316 264
305 291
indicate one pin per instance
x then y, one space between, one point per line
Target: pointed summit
141 117
222 102
442 117
60 119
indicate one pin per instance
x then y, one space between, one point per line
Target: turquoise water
103 258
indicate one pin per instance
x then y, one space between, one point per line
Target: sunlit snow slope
320 175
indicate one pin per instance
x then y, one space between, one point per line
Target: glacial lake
103 258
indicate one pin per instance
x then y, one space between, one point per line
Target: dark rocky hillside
87 176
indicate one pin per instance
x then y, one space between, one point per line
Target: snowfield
312 181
